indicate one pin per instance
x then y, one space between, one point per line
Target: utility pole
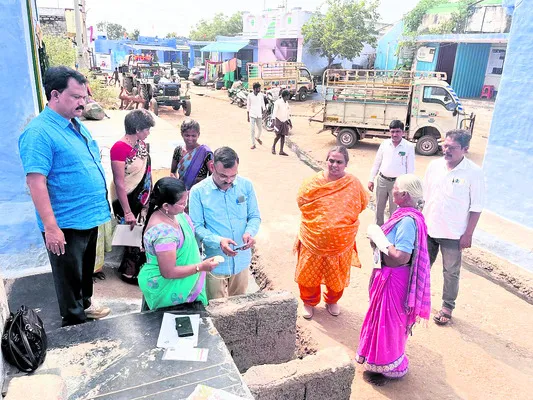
81 53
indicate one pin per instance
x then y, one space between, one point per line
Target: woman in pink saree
399 286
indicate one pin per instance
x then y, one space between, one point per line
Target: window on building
496 60
438 95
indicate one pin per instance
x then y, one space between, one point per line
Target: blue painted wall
470 68
386 52
21 244
119 49
508 163
429 66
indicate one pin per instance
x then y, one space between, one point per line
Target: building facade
472 60
163 50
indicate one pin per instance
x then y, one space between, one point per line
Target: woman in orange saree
330 202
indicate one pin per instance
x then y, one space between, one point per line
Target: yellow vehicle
362 103
293 76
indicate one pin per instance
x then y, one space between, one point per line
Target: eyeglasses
451 148
223 176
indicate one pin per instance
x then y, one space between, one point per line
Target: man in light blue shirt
68 188
224 211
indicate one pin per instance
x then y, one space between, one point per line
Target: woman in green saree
174 272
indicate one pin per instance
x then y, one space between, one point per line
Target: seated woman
191 163
400 289
174 272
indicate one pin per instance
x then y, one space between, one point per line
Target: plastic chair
487 92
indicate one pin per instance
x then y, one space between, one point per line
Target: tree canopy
342 30
113 31
134 35
220 25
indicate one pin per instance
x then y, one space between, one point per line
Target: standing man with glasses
223 208
395 157
68 188
453 191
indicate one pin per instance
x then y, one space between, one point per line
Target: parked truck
293 76
361 104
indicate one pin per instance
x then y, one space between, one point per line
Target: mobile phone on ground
184 327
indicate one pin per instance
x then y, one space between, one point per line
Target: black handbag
24 341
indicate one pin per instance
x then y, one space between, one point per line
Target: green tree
113 31
220 25
342 30
60 51
134 35
413 19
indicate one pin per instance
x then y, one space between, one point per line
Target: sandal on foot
273 151
440 315
333 309
259 141
282 153
308 311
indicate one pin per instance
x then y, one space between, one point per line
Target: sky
159 17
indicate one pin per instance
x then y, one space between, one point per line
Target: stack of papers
180 348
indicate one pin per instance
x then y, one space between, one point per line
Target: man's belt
387 178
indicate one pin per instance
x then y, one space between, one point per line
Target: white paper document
168 336
202 392
186 354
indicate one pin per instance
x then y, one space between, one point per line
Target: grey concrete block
326 375
257 328
37 387
253 314
273 349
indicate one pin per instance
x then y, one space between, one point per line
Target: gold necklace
169 217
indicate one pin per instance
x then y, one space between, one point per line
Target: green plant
342 30
60 51
413 19
106 96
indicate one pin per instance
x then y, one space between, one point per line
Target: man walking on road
453 191
224 211
395 157
256 107
68 188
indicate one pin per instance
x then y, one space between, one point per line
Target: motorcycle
238 94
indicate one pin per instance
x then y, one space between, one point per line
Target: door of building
446 59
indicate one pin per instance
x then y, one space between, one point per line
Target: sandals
442 314
333 309
308 311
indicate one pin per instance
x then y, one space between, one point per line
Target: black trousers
73 274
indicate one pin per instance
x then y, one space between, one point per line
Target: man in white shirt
395 157
453 191
282 121
255 107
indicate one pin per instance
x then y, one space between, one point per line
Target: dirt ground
486 353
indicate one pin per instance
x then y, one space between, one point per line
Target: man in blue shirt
224 211
68 188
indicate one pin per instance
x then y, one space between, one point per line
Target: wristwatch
197 268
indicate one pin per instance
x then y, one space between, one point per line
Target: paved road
486 354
